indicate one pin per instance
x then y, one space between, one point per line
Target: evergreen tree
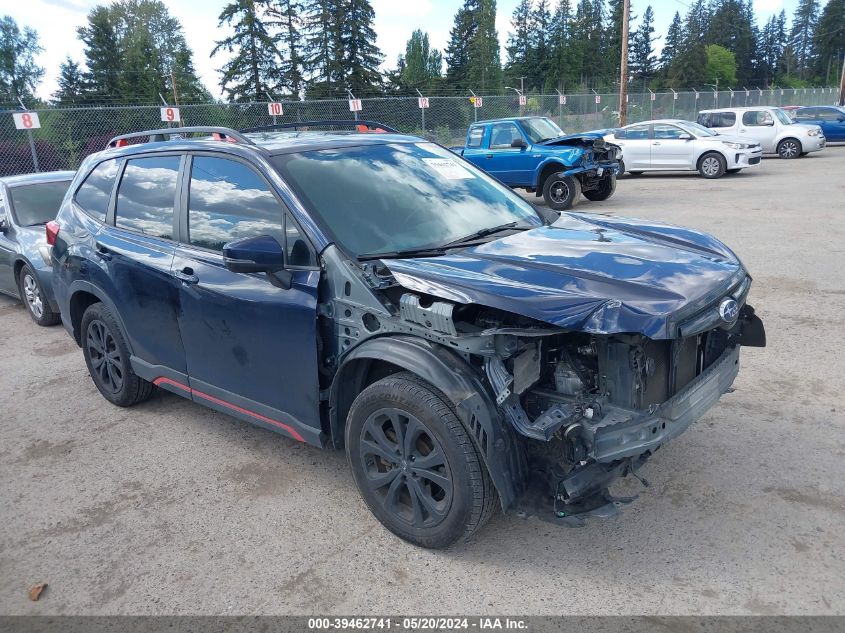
672 43
458 50
286 18
801 40
362 58
613 39
485 67
540 47
323 48
71 83
19 74
829 41
586 44
688 68
731 27
251 74
519 47
102 56
643 61
559 40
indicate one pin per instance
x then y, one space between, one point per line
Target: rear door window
722 119
637 132
756 118
666 131
95 193
146 196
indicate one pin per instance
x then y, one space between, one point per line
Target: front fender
448 372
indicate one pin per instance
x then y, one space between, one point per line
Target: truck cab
533 153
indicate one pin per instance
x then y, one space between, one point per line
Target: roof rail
369 126
156 136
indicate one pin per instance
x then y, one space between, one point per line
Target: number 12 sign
26 120
168 115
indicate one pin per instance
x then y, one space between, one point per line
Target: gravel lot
170 508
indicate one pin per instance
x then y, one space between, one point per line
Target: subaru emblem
728 310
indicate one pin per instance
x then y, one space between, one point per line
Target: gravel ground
170 508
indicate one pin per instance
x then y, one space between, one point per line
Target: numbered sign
653 96
275 109
561 99
422 102
523 100
747 92
479 102
355 105
626 97
696 96
675 96
598 98
169 115
26 120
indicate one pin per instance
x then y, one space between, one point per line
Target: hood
582 138
729 139
586 273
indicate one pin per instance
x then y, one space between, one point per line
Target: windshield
396 197
38 204
541 129
699 130
782 116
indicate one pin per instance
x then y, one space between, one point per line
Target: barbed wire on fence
68 135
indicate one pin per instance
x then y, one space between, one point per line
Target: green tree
721 66
458 49
829 41
102 56
801 40
643 61
421 63
541 20
252 73
361 56
19 74
323 48
732 27
672 43
287 19
485 65
71 84
688 67
560 65
519 46
613 39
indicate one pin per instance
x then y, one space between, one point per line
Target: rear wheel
621 167
107 356
414 464
561 191
789 148
606 187
33 298
712 165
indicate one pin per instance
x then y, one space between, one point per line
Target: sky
56 22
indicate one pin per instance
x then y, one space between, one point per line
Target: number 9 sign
169 115
26 120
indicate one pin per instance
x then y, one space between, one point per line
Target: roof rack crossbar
370 125
154 136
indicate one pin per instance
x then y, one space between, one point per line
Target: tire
429 512
712 165
621 167
789 148
32 295
605 189
560 191
636 173
107 357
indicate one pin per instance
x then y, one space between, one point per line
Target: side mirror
261 254
685 137
518 143
769 122
841 119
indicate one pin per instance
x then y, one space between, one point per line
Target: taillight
52 232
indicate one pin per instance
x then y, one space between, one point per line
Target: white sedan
676 145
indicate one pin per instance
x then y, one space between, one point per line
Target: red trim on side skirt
234 407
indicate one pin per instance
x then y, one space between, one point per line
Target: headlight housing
813 131
736 145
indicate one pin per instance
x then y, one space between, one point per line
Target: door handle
102 251
186 275
489 156
656 143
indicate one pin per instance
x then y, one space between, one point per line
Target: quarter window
229 201
94 194
146 196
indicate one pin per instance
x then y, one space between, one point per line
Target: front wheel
561 191
607 186
621 167
789 148
414 464
32 294
712 165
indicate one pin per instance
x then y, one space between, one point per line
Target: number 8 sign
26 120
168 115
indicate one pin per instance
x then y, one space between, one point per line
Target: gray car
27 203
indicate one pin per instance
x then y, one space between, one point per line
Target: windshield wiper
485 232
432 251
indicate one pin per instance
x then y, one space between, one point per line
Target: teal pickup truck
533 153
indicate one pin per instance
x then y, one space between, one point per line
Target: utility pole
842 83
175 95
623 65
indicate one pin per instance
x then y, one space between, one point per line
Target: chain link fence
67 135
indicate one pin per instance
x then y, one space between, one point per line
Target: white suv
771 127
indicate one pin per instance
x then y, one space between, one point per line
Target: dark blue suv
372 291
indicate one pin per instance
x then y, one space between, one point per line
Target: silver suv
771 127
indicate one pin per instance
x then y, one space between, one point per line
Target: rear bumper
621 433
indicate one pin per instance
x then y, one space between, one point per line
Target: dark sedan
27 203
